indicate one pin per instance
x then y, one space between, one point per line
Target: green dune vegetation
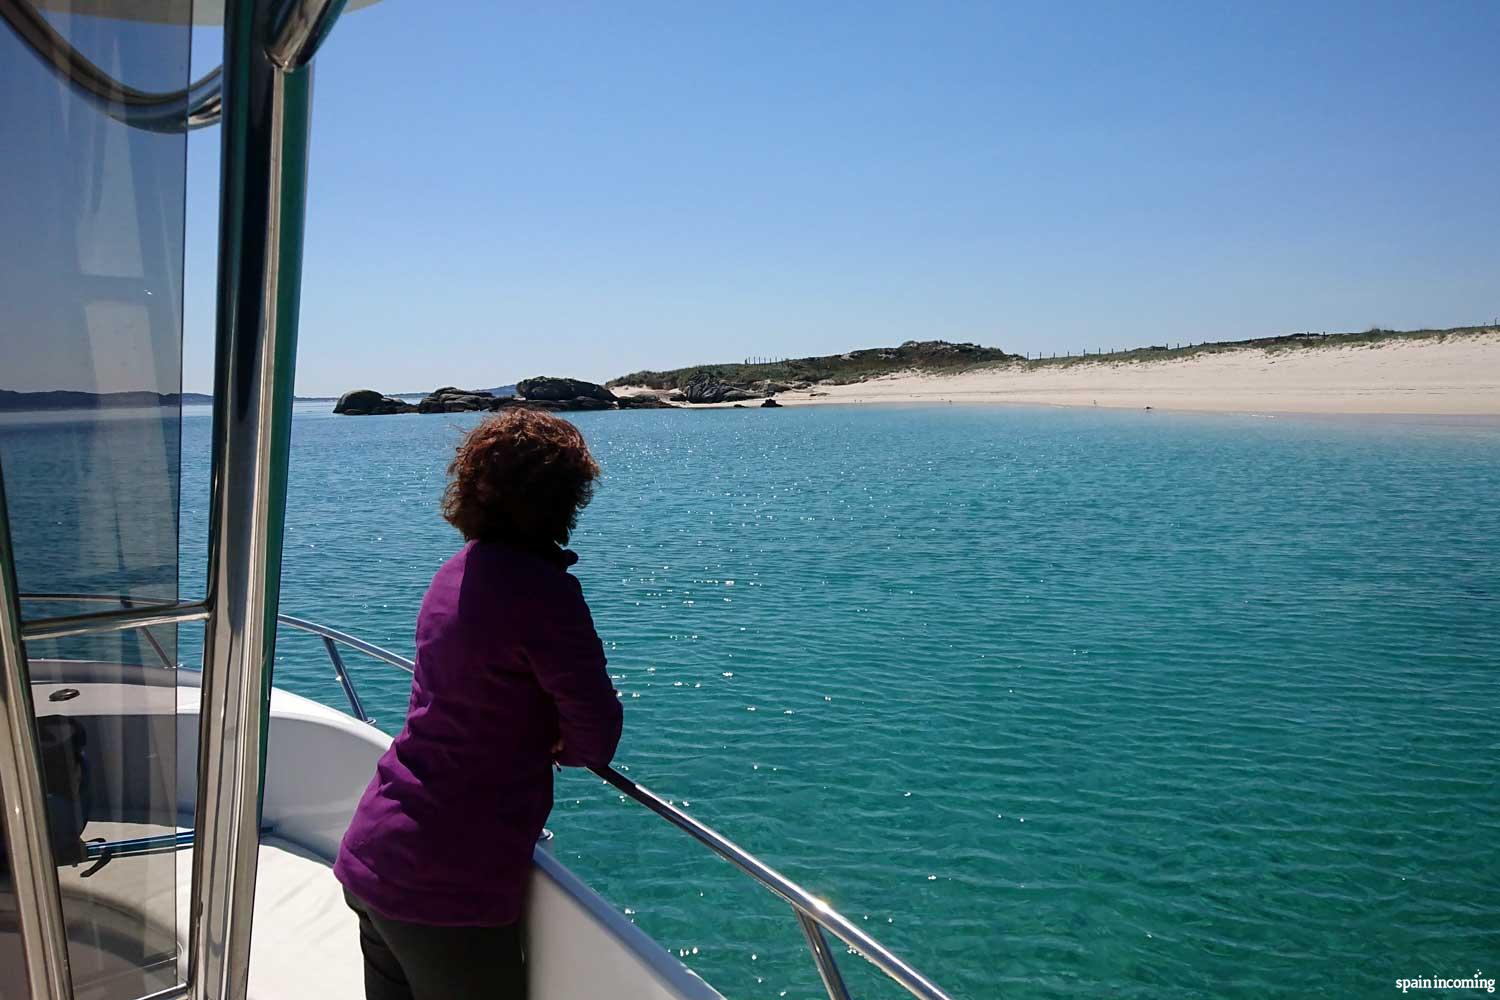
1373 337
832 369
942 357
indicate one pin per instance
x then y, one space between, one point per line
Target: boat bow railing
814 916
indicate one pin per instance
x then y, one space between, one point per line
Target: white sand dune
1456 375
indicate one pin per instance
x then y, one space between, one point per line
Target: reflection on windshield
91 281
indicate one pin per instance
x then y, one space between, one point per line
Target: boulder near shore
449 399
643 401
706 388
362 402
544 392
561 390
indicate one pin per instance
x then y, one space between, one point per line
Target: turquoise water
1055 702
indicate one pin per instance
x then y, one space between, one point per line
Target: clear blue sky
504 190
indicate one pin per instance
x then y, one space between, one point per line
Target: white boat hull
305 942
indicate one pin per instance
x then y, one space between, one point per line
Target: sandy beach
1456 375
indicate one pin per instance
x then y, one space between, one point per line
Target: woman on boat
510 679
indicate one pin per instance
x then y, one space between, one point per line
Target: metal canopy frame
262 206
297 29
44 939
263 95
195 106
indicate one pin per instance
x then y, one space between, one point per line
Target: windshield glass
90 410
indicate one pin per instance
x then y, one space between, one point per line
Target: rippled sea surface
1056 703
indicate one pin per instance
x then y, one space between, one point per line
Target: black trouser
422 962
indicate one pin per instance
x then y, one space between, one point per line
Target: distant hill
71 399
67 399
853 366
941 356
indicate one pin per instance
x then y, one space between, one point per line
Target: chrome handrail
813 914
135 613
807 906
161 843
331 640
345 639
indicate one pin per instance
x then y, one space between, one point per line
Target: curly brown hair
520 477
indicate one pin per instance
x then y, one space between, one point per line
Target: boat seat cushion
305 944
306 939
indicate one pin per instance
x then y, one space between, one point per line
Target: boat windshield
90 407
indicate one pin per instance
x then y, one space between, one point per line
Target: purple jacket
507 663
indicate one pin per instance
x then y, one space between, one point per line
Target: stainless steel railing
814 916
135 613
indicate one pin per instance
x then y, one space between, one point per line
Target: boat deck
130 917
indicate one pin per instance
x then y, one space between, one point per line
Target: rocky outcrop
705 388
365 402
541 393
552 405
770 403
643 401
359 400
710 387
586 403
767 387
451 400
562 390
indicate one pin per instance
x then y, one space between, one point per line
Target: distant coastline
70 399
940 357
1450 372
1447 371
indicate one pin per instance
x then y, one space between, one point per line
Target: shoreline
1454 376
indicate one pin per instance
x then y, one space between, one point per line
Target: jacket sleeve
568 658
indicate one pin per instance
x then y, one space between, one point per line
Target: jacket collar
549 552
